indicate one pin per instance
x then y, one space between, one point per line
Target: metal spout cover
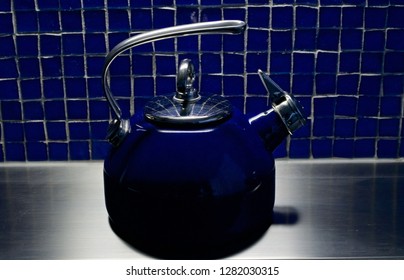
287 107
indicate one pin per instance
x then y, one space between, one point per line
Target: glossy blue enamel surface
190 187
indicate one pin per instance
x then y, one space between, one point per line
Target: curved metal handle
214 27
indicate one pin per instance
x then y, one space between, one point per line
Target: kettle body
190 175
201 189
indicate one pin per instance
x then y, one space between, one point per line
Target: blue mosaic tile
211 63
280 62
389 127
98 130
5 6
346 106
186 15
374 40
143 86
351 39
76 109
71 21
305 39
55 110
233 63
70 4
394 39
375 17
395 16
73 44
364 148
8 68
75 87
343 148
303 84
79 150
303 63
345 128
53 88
349 62
118 20
94 88
24 45
394 62
34 131
348 84
13 131
11 110
7 47
306 17
387 148
73 66
366 127
50 44
282 17
93 3
370 85
51 66
211 84
95 43
393 84
322 148
330 17
323 127
56 131
9 89
368 106
256 16
79 131
140 3
99 150
141 19
15 151
328 39
121 87
27 21
372 62
120 3
390 106
30 89
29 67
299 148
58 151
325 83
7 24
36 151
279 40
233 85
165 18
48 4
33 110
94 21
326 62
352 17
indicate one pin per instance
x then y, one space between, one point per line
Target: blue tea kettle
190 174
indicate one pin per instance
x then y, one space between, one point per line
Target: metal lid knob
185 80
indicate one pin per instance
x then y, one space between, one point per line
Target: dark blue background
343 59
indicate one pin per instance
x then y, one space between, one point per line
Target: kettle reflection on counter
190 173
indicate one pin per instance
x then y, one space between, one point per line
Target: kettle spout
283 119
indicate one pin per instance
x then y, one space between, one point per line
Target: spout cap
285 104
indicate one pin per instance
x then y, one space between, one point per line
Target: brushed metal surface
323 209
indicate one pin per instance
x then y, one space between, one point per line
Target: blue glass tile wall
344 60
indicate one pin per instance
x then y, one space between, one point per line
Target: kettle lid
187 107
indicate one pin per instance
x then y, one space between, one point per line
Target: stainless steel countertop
324 209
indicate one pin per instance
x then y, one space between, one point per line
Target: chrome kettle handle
214 27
